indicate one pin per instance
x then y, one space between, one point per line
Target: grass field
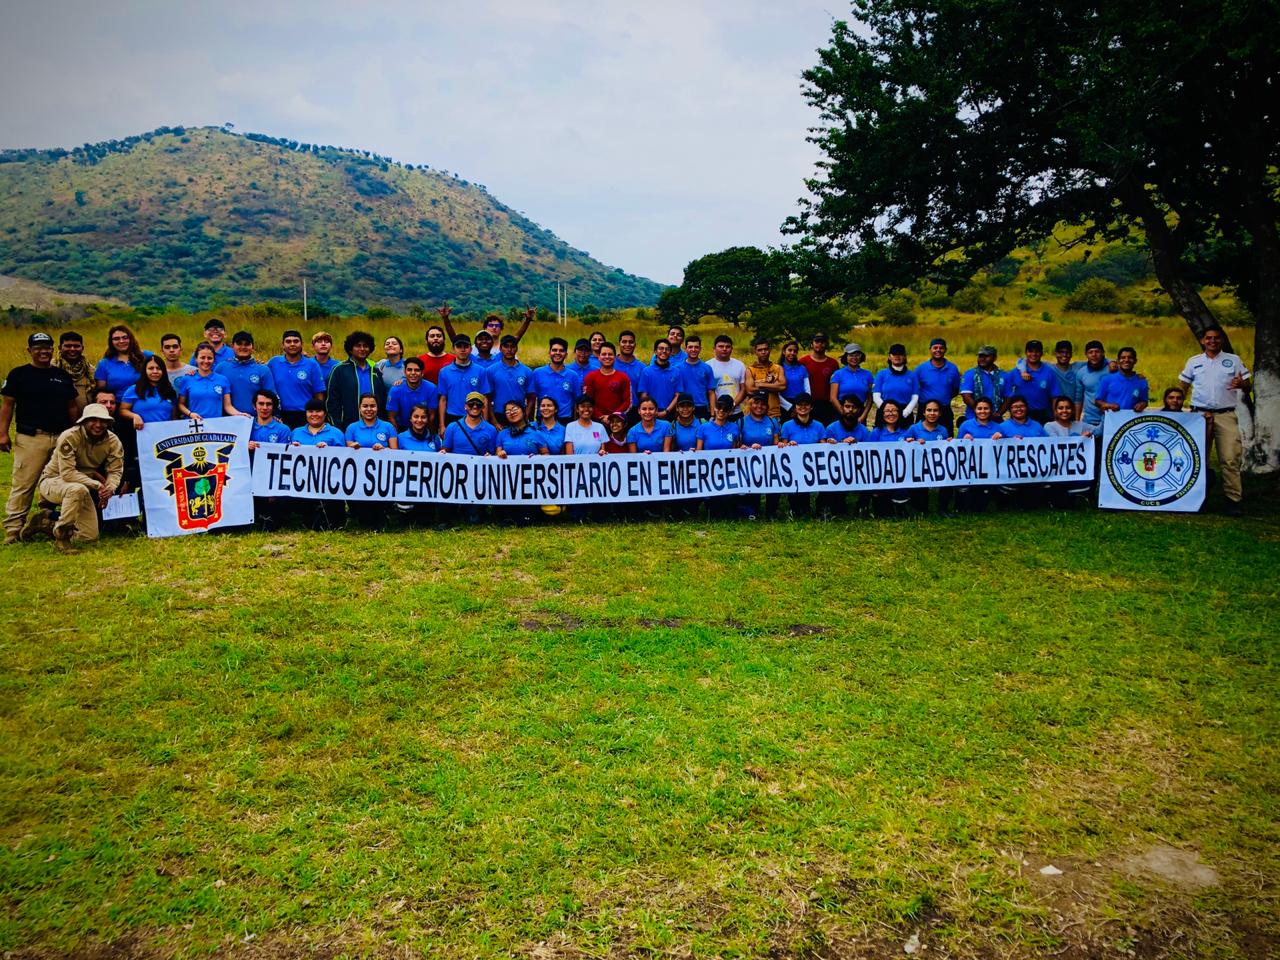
800 740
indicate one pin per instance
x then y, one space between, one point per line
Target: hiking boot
1233 509
41 522
62 540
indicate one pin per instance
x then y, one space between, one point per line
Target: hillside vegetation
203 217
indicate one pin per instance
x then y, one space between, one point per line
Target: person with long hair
897 382
890 503
519 438
650 435
418 435
929 429
152 399
759 430
391 366
584 436
371 432
121 363
549 424
721 433
801 430
205 393
981 424
797 376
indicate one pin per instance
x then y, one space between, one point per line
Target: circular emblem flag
1153 461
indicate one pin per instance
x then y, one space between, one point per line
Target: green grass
680 740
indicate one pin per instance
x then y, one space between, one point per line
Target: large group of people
76 422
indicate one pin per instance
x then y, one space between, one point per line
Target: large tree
956 130
733 282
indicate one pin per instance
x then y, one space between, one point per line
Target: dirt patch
1182 868
806 629
669 623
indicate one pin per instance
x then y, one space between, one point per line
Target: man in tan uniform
85 470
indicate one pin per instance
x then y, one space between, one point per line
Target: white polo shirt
1210 376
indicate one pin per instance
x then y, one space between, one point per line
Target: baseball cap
937 342
898 348
483 333
684 398
818 336
1062 345
758 395
215 324
582 344
854 348
801 398
724 402
462 340
40 340
1034 345
508 341
242 336
987 351
475 397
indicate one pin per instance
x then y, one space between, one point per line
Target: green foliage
1095 295
1121 265
238 218
1003 272
971 299
797 319
734 282
673 308
379 313
933 296
589 311
897 310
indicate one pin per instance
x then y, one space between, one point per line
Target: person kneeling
85 470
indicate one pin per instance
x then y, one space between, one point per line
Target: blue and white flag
195 475
1152 461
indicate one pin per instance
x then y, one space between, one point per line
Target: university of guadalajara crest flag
195 475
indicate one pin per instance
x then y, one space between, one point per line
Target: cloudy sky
645 133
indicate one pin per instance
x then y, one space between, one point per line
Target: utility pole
304 275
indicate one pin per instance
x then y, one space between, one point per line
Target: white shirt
586 440
1210 376
730 375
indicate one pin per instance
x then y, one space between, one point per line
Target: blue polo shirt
456 382
1011 428
840 433
273 432
797 379
938 383
646 441
696 379
918 431
428 444
583 369
552 437
562 386
884 435
390 372
152 408
1126 392
660 383
852 383
979 431
715 436
401 400
329 435
459 438
246 377
510 383
811 432
368 434
204 394
1038 391
327 368
897 386
528 441
685 438
296 383
763 431
983 384
118 374
1089 380
633 369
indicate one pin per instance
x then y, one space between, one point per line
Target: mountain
203 216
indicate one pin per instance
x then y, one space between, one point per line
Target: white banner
401 476
195 475
1152 461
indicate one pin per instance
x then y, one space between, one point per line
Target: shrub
379 313
1003 272
1121 265
970 300
897 310
1095 295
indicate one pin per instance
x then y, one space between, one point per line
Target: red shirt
431 366
820 372
616 446
610 394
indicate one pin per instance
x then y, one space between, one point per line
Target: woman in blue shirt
650 435
391 368
419 435
685 427
549 425
930 429
851 379
519 438
758 430
890 503
152 399
318 432
982 425
797 376
121 364
801 430
1018 426
205 393
719 433
369 431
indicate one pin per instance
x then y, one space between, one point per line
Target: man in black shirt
43 401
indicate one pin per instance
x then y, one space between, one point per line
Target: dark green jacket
343 400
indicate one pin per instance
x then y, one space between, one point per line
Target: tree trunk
1262 446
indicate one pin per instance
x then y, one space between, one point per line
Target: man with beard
71 359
